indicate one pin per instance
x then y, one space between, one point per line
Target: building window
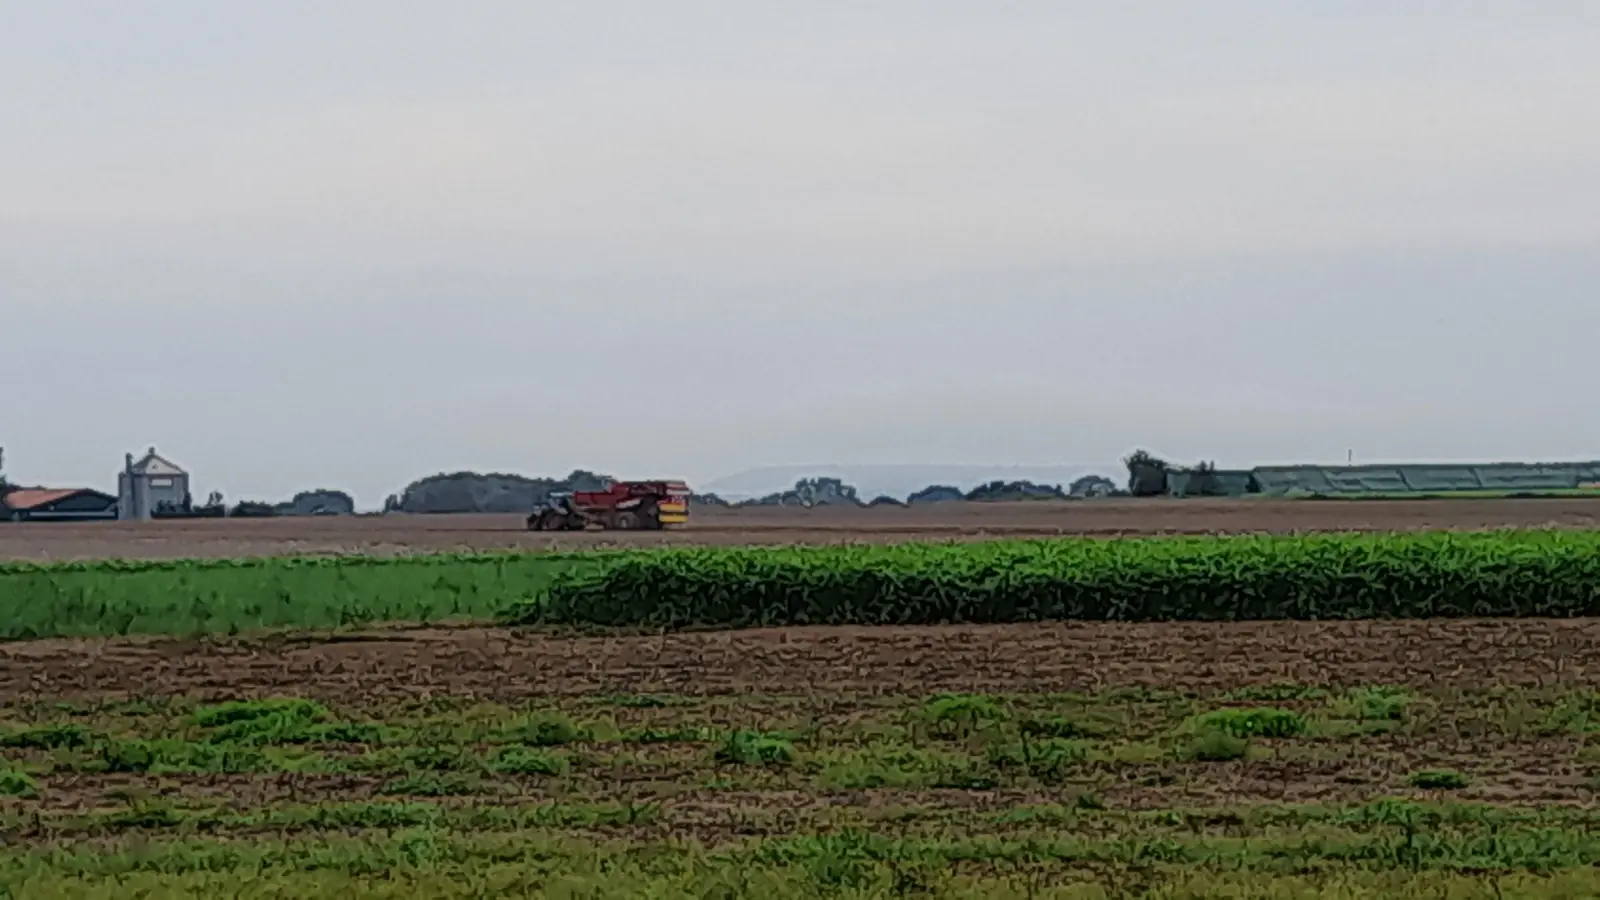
161 482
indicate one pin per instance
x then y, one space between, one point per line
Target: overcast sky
345 244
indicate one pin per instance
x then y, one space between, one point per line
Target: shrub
958 715
237 711
1277 692
1438 780
17 783
1266 722
539 730
432 784
678 734
48 737
889 767
145 816
516 760
254 722
349 733
750 748
1048 760
178 756
1217 746
1380 704
416 759
1061 727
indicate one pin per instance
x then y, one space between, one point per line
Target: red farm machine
622 506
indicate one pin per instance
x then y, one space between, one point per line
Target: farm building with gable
150 484
61 505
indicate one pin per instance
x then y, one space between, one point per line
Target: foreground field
1452 757
1410 759
965 521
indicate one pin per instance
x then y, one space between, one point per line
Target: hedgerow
1339 576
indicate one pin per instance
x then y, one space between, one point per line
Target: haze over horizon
347 245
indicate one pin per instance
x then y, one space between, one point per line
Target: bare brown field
397 534
388 665
535 762
1482 694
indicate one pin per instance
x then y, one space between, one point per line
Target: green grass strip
115 597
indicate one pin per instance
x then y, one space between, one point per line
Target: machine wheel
628 520
649 516
550 520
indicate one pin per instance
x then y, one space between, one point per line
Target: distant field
401 534
1591 493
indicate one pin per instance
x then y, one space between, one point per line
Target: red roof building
59 504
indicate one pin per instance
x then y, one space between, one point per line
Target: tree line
497 492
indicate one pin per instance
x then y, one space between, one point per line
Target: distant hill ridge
899 481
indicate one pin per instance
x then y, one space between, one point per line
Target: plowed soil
649 764
383 667
960 521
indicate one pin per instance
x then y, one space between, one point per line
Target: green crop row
220 596
1147 579
1210 578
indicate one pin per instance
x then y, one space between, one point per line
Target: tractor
621 506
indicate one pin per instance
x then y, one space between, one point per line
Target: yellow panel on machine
673 511
622 506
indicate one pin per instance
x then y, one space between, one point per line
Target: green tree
825 491
1147 474
1092 486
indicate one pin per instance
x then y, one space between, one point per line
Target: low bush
48 737
1061 727
750 748
1438 780
958 715
1266 722
519 760
548 729
17 783
1217 746
1049 760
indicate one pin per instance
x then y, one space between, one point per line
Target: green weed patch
1267 722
